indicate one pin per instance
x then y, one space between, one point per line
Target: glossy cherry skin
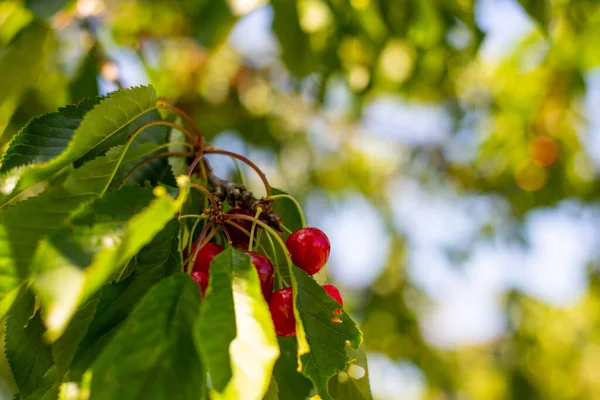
201 278
309 249
205 255
265 272
334 292
238 238
281 305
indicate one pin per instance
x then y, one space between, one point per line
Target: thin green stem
227 235
273 233
280 279
191 239
258 211
296 203
192 256
238 226
130 140
258 237
182 114
199 216
285 228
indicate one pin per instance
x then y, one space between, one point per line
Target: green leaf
540 11
100 238
44 137
97 127
326 332
153 355
64 348
293 41
273 392
28 355
218 315
21 66
212 20
292 384
352 384
45 8
158 259
24 224
85 83
241 367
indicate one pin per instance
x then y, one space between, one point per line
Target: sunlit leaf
45 137
99 125
101 238
251 354
158 259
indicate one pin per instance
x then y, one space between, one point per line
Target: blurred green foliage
528 142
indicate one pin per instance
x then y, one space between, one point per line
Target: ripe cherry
201 278
309 249
281 306
238 237
205 256
334 292
265 272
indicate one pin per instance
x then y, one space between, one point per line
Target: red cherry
281 306
238 237
334 292
205 256
309 249
201 278
265 272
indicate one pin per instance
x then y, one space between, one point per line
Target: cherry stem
153 157
198 216
194 164
182 114
273 233
208 194
258 237
130 140
227 235
192 231
258 211
296 203
280 279
238 226
212 150
181 129
204 239
285 228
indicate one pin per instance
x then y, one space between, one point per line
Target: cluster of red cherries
308 248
